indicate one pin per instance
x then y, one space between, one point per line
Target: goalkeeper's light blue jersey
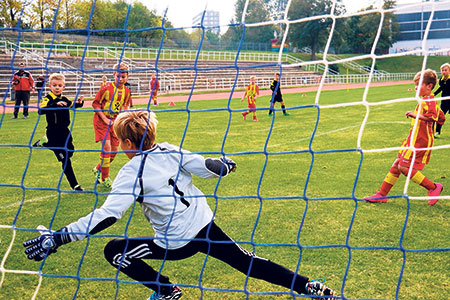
176 209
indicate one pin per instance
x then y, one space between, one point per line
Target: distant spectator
23 83
40 84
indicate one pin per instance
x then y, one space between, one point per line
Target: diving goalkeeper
159 178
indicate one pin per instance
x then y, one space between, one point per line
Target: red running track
9 106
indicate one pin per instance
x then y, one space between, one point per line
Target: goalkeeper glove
229 163
45 244
220 166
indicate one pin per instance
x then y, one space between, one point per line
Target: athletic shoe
376 198
107 182
269 115
14 117
96 172
319 289
78 188
437 134
286 114
25 117
244 115
176 294
155 104
436 192
41 142
255 119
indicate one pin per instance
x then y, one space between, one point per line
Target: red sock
113 155
419 178
105 161
389 181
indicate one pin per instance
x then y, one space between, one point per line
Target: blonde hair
429 76
137 126
122 67
445 65
57 76
104 77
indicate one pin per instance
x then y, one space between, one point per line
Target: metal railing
142 87
51 64
352 65
175 54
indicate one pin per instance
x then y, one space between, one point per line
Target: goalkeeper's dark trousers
128 255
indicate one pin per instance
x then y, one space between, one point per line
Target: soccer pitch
294 199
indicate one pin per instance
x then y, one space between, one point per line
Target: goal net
297 196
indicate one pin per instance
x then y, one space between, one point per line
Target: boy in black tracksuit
444 87
58 137
276 95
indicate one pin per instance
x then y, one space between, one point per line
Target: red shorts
104 131
252 107
418 164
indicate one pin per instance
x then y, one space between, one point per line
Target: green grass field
316 204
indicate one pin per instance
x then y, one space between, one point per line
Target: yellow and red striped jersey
423 136
251 91
112 99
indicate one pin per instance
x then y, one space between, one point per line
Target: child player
55 107
444 87
251 92
275 86
423 137
154 87
159 177
104 81
109 101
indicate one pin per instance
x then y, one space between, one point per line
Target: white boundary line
27 201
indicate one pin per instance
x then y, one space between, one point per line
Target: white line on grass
26 201
336 130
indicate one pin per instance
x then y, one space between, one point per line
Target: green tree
313 33
256 12
102 15
211 36
365 29
10 10
141 17
68 16
41 13
178 36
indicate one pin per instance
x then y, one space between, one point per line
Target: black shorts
57 143
445 106
277 99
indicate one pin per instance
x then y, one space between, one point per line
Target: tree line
354 34
350 34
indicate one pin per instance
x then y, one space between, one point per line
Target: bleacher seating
174 75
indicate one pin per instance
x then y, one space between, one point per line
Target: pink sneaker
255 119
244 115
376 198
436 192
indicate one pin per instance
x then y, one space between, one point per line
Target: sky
181 12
